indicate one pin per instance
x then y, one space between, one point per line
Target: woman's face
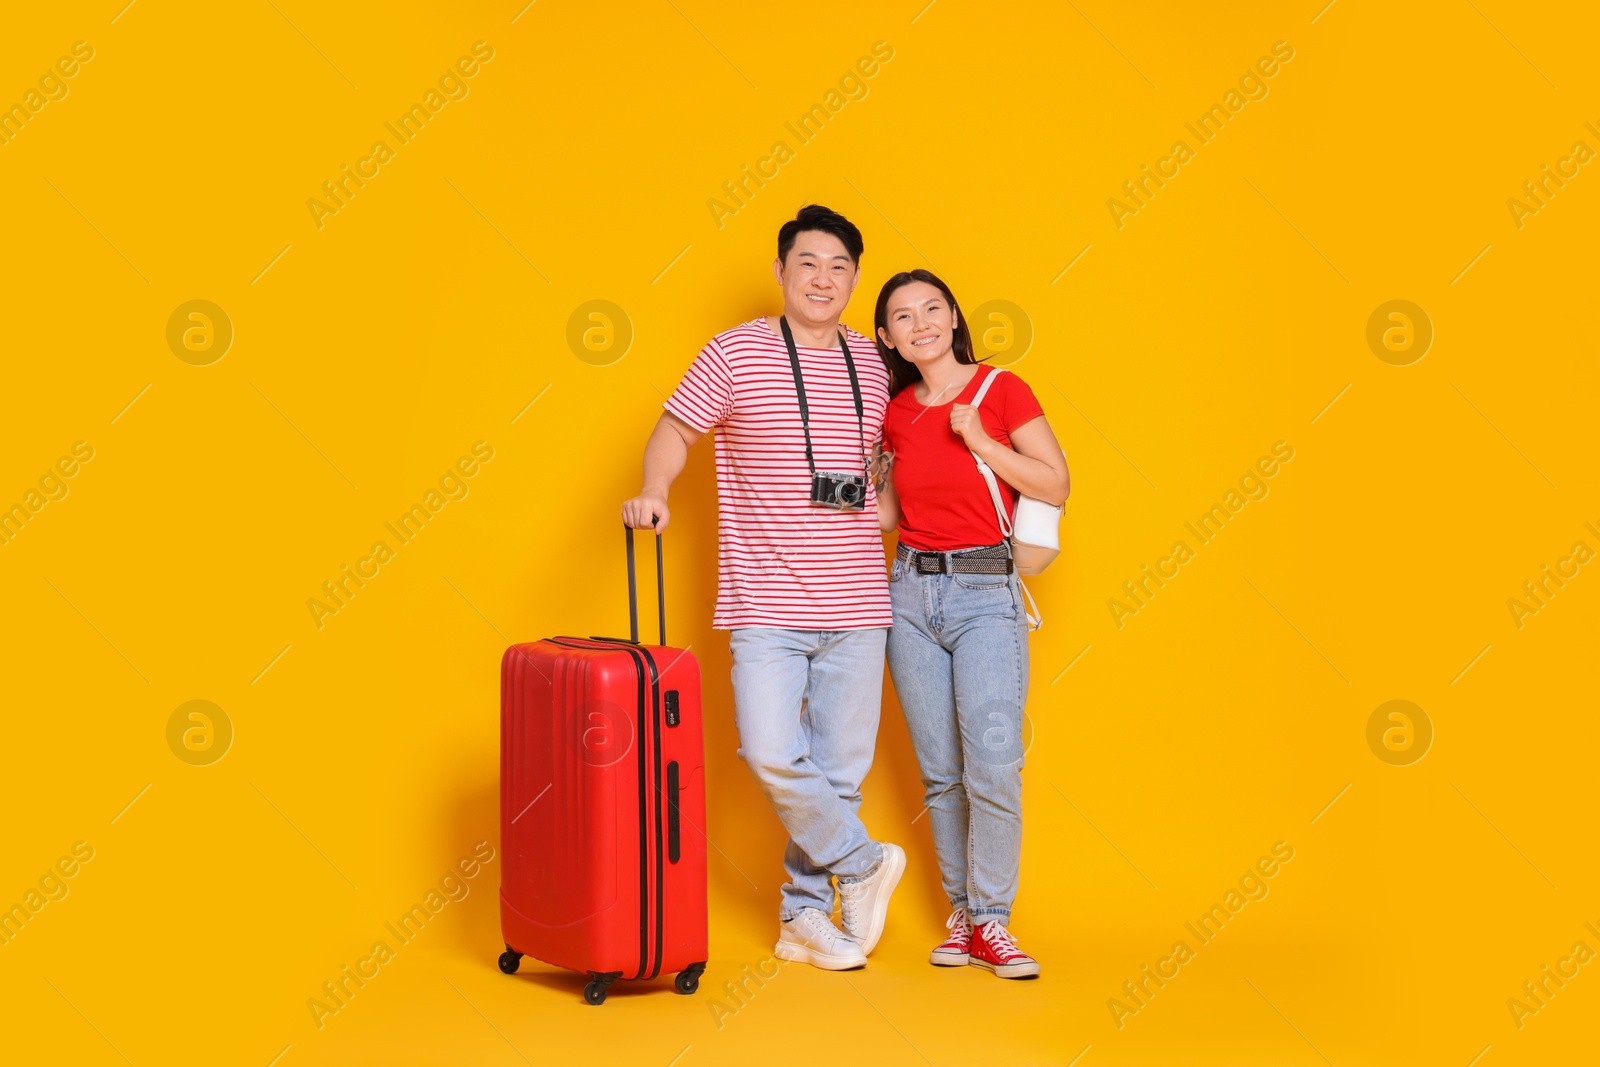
921 324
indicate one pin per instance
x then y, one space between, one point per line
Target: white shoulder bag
1034 529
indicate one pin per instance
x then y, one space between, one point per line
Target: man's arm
664 457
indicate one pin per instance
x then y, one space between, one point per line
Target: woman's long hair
903 372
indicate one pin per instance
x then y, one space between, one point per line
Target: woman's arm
1033 465
883 479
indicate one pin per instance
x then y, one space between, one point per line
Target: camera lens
850 493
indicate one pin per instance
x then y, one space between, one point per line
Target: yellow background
429 312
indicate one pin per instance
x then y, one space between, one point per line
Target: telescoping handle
633 591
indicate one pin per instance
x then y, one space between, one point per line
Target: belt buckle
930 563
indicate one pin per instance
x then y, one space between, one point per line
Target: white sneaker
811 937
865 903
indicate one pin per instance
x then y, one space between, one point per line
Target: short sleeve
1020 406
705 396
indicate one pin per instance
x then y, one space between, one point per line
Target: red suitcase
602 805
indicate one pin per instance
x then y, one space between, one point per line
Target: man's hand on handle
664 457
645 511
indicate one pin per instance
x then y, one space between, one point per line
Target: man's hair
824 220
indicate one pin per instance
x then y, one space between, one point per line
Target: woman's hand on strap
968 426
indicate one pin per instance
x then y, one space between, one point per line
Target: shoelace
849 901
822 925
959 925
1000 939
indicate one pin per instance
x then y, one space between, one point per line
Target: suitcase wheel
509 960
600 981
688 979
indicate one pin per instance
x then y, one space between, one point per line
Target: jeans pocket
983 582
897 569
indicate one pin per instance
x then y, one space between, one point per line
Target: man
801 578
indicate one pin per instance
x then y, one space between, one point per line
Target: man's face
818 277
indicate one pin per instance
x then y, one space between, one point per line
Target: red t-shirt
944 502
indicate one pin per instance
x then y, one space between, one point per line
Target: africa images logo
454 887
452 87
453 485
1252 86
852 86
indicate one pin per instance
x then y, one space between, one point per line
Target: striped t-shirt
783 561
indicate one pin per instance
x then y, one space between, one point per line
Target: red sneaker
954 951
994 949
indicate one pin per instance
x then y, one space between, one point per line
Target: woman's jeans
958 652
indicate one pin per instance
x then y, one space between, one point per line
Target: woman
958 649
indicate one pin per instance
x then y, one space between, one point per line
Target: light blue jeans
807 705
959 656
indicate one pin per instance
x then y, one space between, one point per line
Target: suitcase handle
673 851
633 591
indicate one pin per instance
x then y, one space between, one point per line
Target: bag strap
1031 611
983 468
994 372
1035 620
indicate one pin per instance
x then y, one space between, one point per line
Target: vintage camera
846 492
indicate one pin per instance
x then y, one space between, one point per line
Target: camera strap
800 392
